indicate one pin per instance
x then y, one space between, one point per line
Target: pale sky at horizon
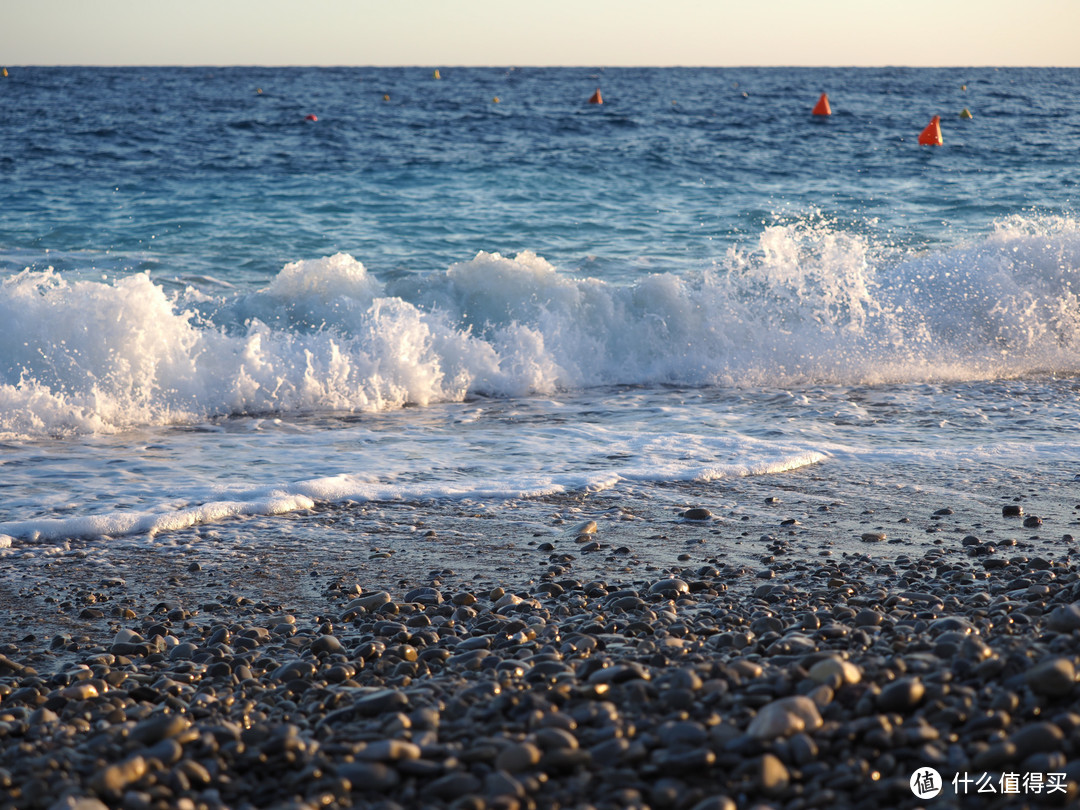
542 32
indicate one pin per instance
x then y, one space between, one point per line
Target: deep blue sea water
483 288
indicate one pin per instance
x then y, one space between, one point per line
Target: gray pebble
902 695
1053 678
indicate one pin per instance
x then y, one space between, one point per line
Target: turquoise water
212 305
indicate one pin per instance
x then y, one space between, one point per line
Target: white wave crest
806 304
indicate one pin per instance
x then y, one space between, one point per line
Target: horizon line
447 66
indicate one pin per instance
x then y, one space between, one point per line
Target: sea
338 307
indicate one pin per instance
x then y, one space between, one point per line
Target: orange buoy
386 97
596 98
822 107
931 136
311 117
966 113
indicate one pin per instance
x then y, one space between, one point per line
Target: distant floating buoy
258 91
966 113
311 117
963 87
386 97
931 136
596 98
822 107
436 74
495 100
5 72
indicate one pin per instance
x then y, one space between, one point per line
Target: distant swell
807 303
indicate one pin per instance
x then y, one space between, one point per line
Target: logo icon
926 783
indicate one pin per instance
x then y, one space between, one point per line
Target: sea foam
806 303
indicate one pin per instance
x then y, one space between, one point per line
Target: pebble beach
622 668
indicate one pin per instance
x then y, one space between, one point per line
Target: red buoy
931 136
822 106
311 117
596 98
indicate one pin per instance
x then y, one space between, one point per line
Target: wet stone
672 587
697 513
326 644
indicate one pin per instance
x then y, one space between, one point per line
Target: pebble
1037 738
112 779
785 717
773 776
902 695
1064 618
1053 678
697 513
519 757
369 776
835 670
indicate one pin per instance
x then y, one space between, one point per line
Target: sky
540 32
